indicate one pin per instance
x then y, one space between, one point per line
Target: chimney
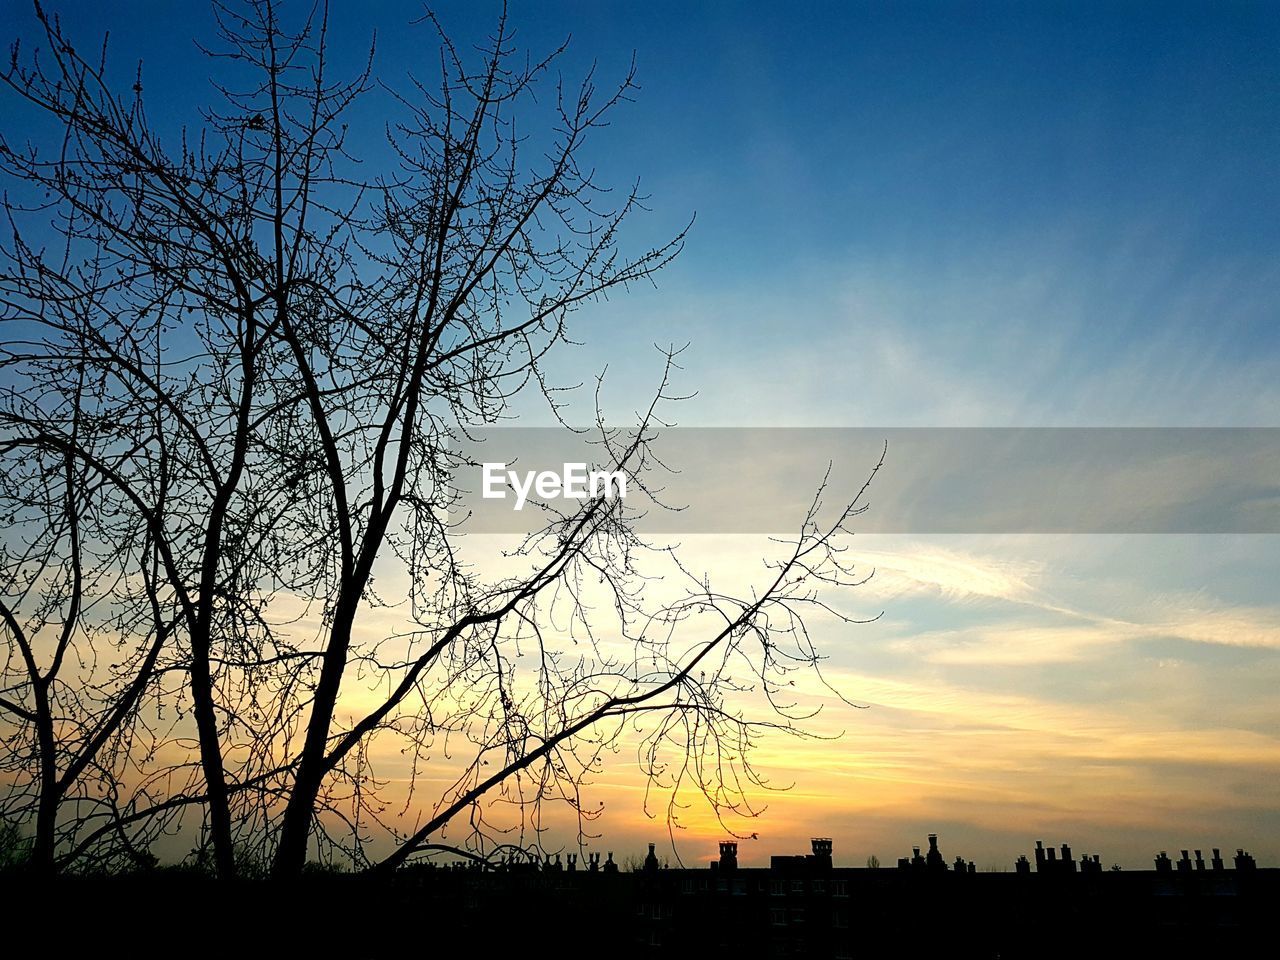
821 852
651 860
1217 859
1199 861
728 855
934 857
1163 863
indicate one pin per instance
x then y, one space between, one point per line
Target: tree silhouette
73 679
237 369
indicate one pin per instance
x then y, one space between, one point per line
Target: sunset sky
947 215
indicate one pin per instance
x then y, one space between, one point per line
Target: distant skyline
910 214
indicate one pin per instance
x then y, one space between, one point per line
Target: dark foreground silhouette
799 906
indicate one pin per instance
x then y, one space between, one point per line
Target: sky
949 215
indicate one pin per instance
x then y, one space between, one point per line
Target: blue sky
978 214
1030 214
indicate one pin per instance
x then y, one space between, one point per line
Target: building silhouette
804 905
1048 904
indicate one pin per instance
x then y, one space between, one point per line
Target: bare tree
85 635
284 353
